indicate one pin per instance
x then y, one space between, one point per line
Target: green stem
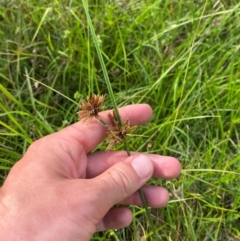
110 91
102 121
145 205
127 148
103 66
144 202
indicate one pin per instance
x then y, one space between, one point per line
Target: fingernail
142 165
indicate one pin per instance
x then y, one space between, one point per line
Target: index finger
89 136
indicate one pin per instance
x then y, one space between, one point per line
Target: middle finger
165 167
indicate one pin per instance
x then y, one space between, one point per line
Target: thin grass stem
102 121
103 66
143 199
127 148
110 91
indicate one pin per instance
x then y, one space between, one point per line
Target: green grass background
180 56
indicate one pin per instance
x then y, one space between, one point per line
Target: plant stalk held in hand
117 131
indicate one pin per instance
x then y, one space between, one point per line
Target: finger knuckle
121 180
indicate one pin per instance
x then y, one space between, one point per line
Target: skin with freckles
58 191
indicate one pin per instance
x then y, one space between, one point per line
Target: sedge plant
118 131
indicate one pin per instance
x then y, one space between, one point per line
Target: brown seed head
90 108
117 133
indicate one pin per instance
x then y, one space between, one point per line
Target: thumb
123 179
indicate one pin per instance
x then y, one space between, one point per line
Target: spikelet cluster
117 132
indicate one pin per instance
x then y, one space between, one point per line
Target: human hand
59 192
